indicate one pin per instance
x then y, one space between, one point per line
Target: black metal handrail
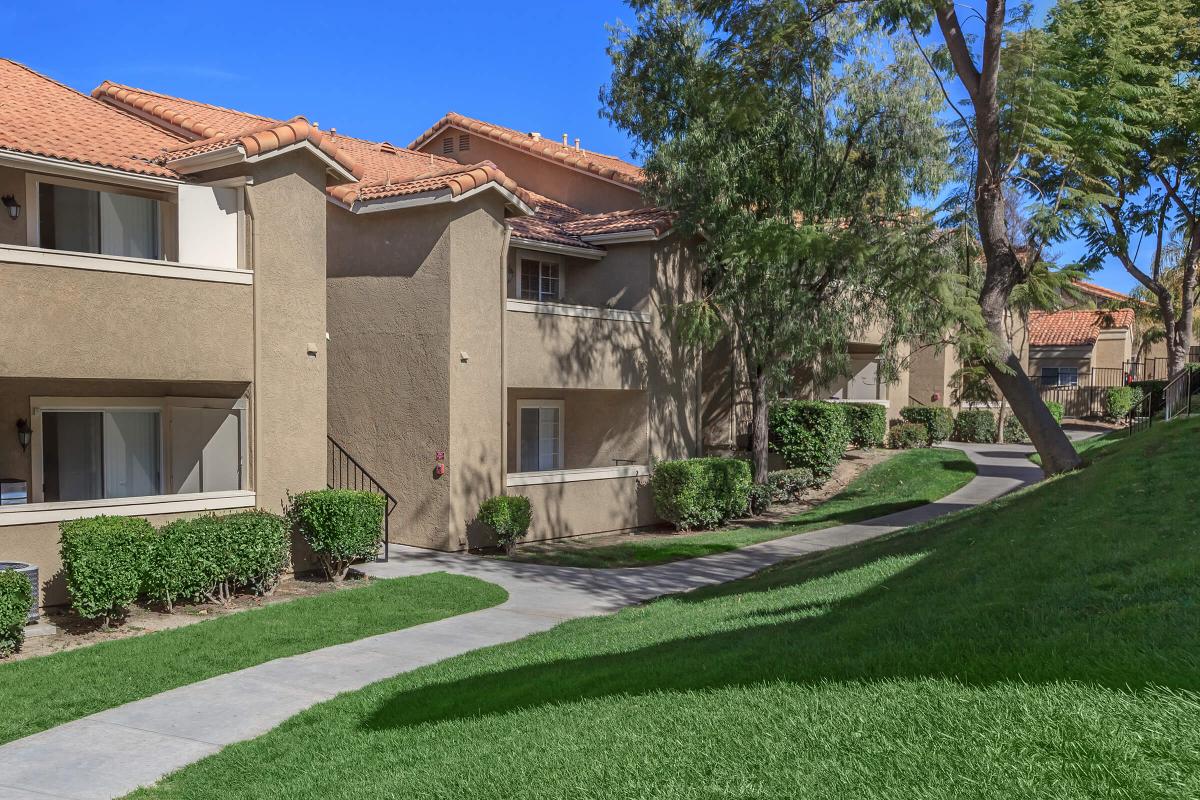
1141 416
344 472
1177 396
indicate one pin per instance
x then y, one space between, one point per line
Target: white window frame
33 215
163 405
562 431
1058 372
541 262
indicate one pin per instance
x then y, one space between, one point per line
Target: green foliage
16 596
508 516
938 421
971 383
700 492
1056 410
789 485
809 433
867 423
104 559
340 525
1120 400
975 425
1154 389
907 435
760 498
1014 432
211 557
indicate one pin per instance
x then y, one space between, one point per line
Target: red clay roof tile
1074 327
43 117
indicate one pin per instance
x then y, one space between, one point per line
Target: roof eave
624 237
559 249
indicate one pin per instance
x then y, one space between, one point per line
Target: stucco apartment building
198 296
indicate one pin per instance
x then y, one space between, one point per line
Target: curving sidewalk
114 752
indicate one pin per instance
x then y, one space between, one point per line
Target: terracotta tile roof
384 170
605 166
658 220
266 139
40 116
1074 327
1101 292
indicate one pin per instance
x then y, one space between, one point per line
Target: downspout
252 467
504 359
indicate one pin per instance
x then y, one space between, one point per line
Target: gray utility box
30 572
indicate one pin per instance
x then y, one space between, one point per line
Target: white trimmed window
539 435
540 280
1060 376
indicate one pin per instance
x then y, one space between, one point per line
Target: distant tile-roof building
1074 327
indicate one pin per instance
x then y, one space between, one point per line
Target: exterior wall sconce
24 434
11 204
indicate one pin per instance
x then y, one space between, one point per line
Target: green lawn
39 693
1043 646
911 478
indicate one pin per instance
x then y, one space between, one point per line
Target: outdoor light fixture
10 202
24 434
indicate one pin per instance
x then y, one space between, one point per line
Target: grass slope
909 479
40 693
1043 646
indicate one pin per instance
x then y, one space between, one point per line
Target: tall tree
791 143
1122 138
990 125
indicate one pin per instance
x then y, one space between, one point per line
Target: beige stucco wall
608 284
582 507
598 426
1113 349
929 374
12 181
389 383
81 324
580 190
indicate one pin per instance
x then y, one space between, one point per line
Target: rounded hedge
907 435
1120 400
508 516
867 423
16 595
811 434
340 525
104 559
700 492
1014 432
938 421
1056 410
975 425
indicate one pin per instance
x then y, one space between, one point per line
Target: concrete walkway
114 752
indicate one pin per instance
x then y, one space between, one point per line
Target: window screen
90 221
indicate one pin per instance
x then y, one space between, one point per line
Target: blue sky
383 72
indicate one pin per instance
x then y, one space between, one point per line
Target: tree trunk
760 430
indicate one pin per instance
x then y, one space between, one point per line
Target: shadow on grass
1044 586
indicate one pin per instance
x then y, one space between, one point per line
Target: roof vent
537 137
565 140
464 141
448 144
576 142
387 147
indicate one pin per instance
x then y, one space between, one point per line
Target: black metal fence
1085 398
344 472
1155 369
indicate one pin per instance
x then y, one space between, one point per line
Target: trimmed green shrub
867 423
907 435
211 557
16 595
1155 390
788 485
1014 433
809 433
1056 410
700 492
340 525
1120 400
760 498
975 425
104 559
508 516
938 421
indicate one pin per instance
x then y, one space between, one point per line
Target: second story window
93 221
540 280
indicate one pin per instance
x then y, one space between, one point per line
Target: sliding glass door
96 455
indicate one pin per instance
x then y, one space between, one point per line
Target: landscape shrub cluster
976 425
509 517
111 562
867 423
938 421
1014 432
1120 400
907 435
16 595
809 434
696 493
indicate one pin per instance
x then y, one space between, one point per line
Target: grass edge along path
906 480
1038 646
42 692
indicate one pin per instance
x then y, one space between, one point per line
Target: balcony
576 347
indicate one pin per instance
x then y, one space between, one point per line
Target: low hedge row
16 595
938 421
1120 400
700 492
110 562
867 423
907 435
809 434
1014 432
975 425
